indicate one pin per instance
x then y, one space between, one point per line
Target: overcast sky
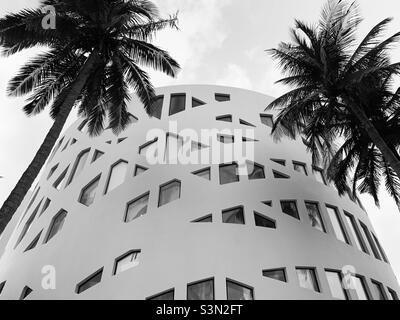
219 42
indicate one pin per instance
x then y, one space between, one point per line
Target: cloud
235 76
202 30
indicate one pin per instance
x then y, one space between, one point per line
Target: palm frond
38 69
370 41
369 174
92 104
292 96
149 55
139 80
116 96
147 31
374 55
392 183
24 30
290 63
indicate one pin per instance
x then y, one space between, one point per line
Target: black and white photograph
188 155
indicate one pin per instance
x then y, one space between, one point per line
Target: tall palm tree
93 59
330 74
358 156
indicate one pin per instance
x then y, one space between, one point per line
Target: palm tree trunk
389 154
28 177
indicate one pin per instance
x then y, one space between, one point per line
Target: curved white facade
174 250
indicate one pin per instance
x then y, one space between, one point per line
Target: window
267 203
379 291
245 123
236 291
25 292
227 118
337 224
381 251
56 148
276 274
355 232
82 125
262 221
168 295
290 208
79 165
137 208
335 284
169 192
255 171
315 216
392 296
52 170
207 218
28 225
29 205
225 138
267 120
196 146
34 242
228 173
149 149
90 282
156 107
65 146
2 286
139 170
234 216
97 154
132 118
279 175
203 290
45 206
370 241
279 161
117 175
177 104
174 145
359 287
220 97
307 278
319 175
204 173
197 102
245 139
89 192
56 225
300 167
126 262
59 182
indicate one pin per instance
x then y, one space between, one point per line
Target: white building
103 223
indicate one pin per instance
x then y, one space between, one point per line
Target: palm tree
358 156
93 59
331 76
